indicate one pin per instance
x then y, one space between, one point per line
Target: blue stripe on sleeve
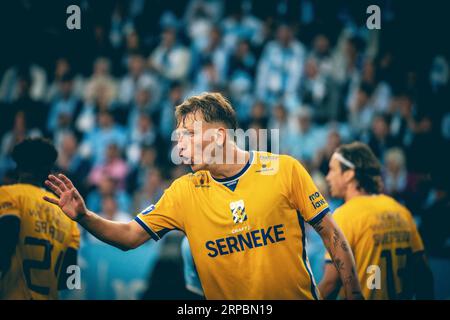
147 228
319 216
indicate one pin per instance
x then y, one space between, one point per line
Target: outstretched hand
69 199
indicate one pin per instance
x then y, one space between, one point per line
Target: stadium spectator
105 133
215 53
113 166
137 76
144 133
395 177
9 85
65 106
170 59
150 192
306 139
361 111
101 81
316 91
71 163
323 156
147 162
379 138
280 69
143 103
64 67
107 186
167 108
36 112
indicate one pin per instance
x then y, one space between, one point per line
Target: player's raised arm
342 256
124 236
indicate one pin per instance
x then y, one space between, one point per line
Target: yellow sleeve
75 236
8 205
166 214
416 239
305 196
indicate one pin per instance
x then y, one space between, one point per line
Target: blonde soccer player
244 220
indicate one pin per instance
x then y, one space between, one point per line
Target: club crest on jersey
238 211
149 209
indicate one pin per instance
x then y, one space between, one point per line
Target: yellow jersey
382 235
45 234
246 232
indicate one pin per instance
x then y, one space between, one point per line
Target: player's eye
184 134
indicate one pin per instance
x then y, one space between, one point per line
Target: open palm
70 200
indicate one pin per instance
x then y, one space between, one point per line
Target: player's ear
220 137
349 175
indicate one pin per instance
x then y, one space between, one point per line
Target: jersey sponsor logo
149 209
320 201
238 211
269 165
246 241
201 180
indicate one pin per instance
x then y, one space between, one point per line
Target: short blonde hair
213 106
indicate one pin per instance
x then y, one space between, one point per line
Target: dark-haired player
37 241
388 250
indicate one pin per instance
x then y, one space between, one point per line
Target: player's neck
226 170
29 179
353 192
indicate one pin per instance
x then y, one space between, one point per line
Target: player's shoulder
390 202
12 191
272 161
5 191
264 156
344 210
7 200
8 189
355 208
396 206
191 180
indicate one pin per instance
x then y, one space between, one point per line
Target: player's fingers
56 181
51 200
75 194
66 181
54 188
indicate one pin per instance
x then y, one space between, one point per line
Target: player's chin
185 161
197 167
334 193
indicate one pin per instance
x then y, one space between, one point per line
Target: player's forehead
334 163
187 121
193 119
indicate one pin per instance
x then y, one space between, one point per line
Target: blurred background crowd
106 96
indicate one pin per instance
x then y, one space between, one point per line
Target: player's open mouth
185 160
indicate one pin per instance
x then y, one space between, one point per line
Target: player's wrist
84 216
355 293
